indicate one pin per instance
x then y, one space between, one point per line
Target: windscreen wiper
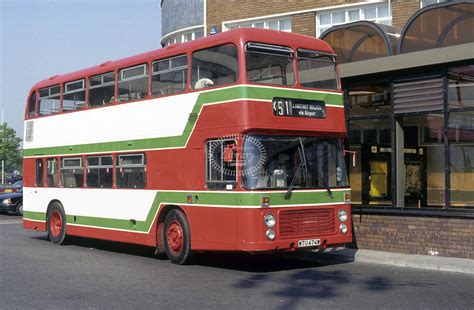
302 168
321 177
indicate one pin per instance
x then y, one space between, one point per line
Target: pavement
440 263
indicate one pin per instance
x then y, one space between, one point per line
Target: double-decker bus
233 142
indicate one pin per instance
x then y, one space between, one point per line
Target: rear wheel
56 221
19 209
177 237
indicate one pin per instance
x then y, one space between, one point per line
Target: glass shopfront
369 136
438 162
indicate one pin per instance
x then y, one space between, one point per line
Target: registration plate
310 242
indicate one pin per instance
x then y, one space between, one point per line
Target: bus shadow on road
263 263
260 263
107 246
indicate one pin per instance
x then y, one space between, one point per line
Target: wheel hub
56 223
174 237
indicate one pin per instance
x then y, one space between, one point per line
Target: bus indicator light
347 198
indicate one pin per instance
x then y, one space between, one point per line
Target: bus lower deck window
130 171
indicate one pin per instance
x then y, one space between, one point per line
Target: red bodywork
242 229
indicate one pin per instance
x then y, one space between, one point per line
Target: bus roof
241 35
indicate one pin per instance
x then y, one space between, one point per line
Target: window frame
63 167
266 23
43 174
135 77
99 166
49 96
190 64
319 53
213 185
114 83
386 20
170 69
121 79
66 92
118 166
279 51
35 111
56 161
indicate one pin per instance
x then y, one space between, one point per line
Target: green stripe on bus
226 94
33 215
211 198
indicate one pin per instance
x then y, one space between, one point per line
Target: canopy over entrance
362 40
439 25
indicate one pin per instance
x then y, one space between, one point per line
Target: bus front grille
307 222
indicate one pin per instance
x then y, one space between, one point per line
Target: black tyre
19 209
177 237
56 221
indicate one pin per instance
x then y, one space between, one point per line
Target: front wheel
56 221
19 209
177 237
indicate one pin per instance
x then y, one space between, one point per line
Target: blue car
12 202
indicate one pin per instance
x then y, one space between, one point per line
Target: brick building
413 179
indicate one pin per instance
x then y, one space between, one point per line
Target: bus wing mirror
229 152
353 154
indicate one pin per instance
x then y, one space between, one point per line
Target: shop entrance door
376 175
378 179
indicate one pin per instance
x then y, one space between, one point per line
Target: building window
373 99
461 87
214 66
74 95
424 3
379 13
184 36
221 163
131 171
461 155
99 171
72 173
282 24
169 75
133 83
424 160
370 166
102 89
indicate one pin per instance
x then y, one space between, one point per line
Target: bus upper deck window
101 89
269 64
316 69
215 66
49 100
133 83
169 75
32 105
74 95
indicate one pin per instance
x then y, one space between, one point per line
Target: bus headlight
342 215
343 228
270 234
7 201
269 220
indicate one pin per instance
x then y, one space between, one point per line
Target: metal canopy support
399 163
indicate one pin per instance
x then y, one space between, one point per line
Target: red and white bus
233 142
